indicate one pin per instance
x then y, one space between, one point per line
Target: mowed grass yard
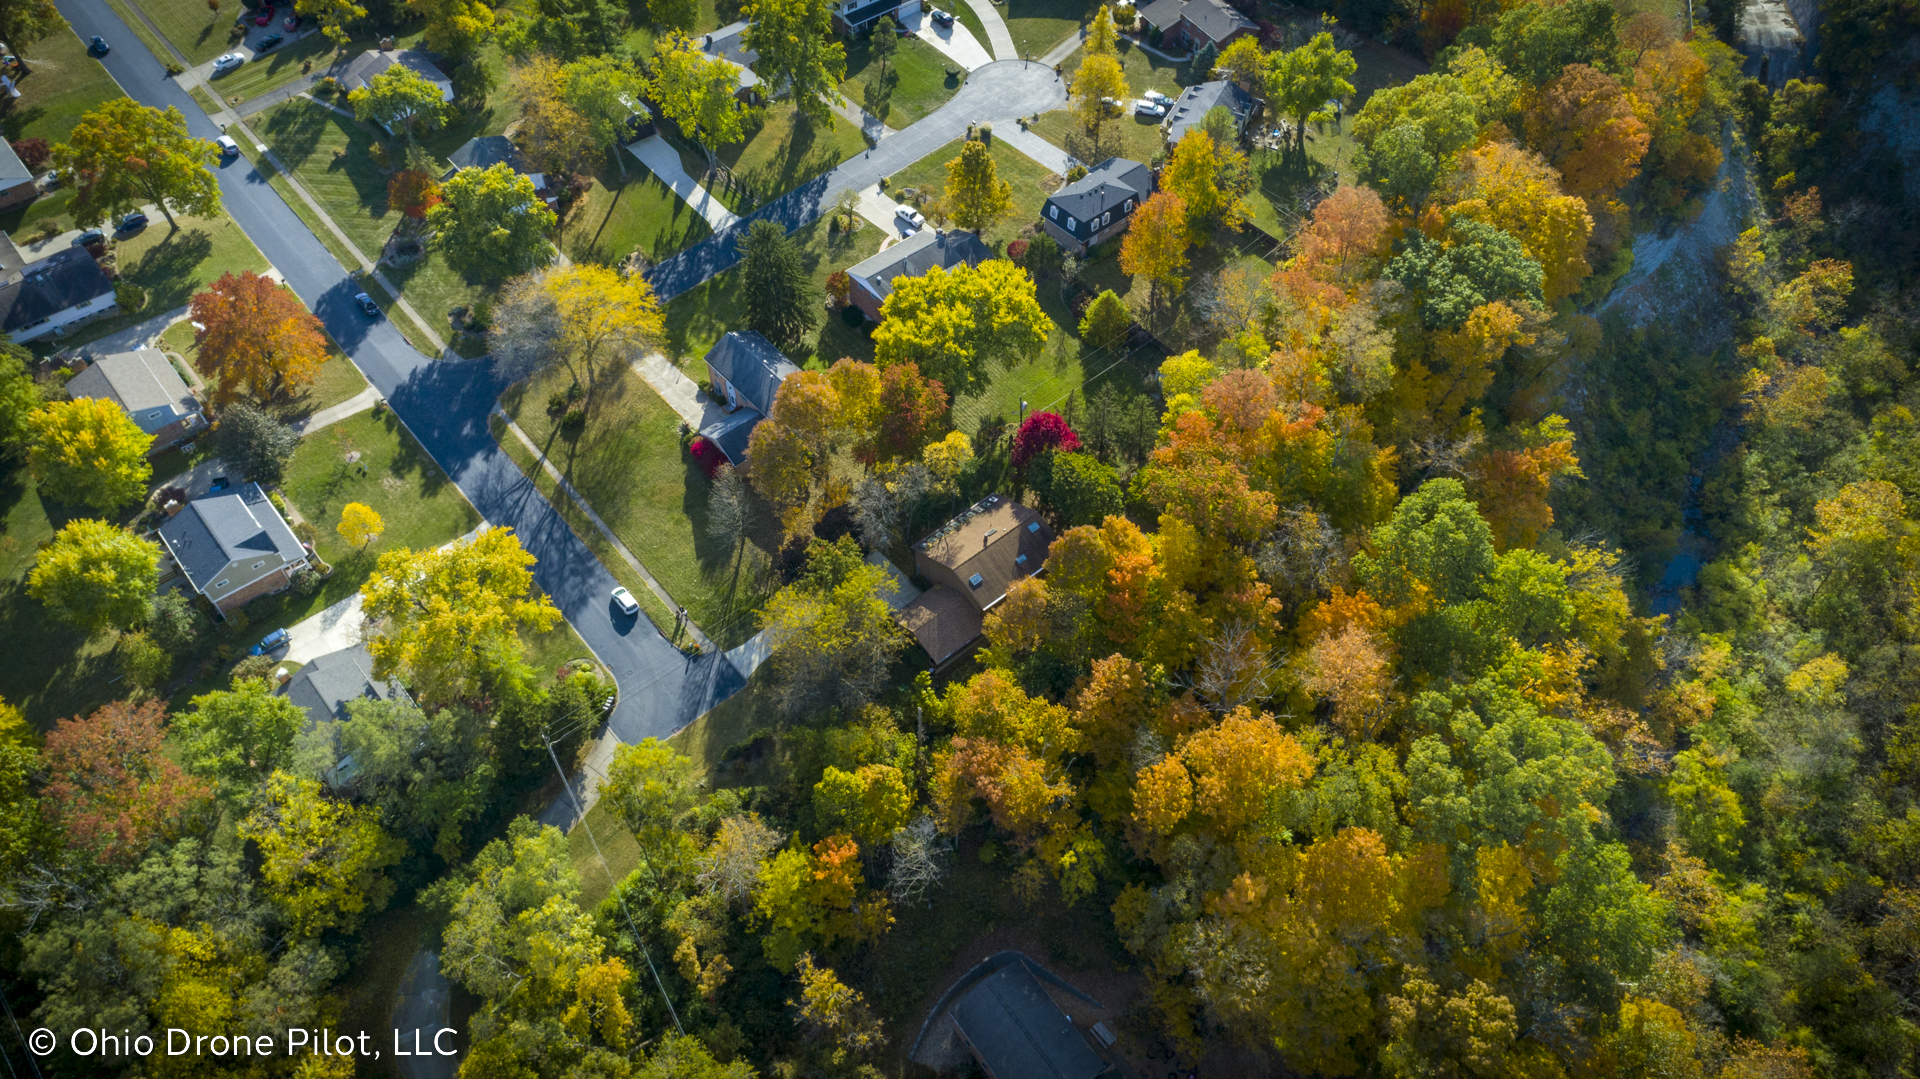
194 29
702 315
624 214
61 85
281 65
630 468
915 84
778 156
1039 25
172 266
1029 180
420 506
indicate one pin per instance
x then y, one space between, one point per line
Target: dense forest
1499 664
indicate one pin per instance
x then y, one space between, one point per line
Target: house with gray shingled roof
53 295
1098 206
1195 102
146 386
744 371
1194 24
873 277
233 547
1016 1031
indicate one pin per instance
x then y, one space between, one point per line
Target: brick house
146 386
233 547
873 278
745 372
1194 24
972 560
1098 206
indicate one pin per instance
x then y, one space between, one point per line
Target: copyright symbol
42 1042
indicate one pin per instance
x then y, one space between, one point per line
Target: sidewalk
1068 45
656 153
870 125
956 41
352 406
996 28
1050 157
633 563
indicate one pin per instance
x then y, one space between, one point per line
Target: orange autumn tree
111 784
1517 192
1584 122
1348 232
1511 485
413 193
256 337
1156 246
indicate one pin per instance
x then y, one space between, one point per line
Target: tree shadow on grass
411 462
294 131
16 121
53 679
166 270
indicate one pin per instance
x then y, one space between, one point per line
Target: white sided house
146 386
233 547
1098 206
52 295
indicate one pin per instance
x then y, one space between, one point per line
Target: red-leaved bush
707 456
1043 431
1016 250
110 783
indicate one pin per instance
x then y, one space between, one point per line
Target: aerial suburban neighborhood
1043 539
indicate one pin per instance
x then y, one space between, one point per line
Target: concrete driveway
339 626
956 41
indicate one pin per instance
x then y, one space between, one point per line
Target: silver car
226 62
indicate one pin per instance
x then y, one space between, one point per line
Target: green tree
22 24
1106 322
96 575
254 442
776 289
567 29
429 773
400 100
885 43
1537 43
145 664
831 633
1410 134
976 196
334 16
798 48
122 155
954 324
19 397
1481 265
599 89
651 786
1300 83
492 222
1082 490
450 619
240 736
869 803
89 452
323 861
697 91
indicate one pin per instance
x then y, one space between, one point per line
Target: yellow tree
1212 180
448 619
976 195
1516 191
1098 81
1243 62
953 323
1103 37
88 452
323 859
593 316
1156 245
359 524
556 136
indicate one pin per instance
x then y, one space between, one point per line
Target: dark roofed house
912 257
53 294
853 16
1016 1031
327 684
729 43
745 371
972 560
145 384
1196 23
356 73
486 151
1097 207
233 547
1197 101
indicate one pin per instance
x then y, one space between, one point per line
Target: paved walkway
956 41
656 153
996 28
1067 47
998 92
681 393
423 1008
140 335
580 502
352 406
1051 157
583 786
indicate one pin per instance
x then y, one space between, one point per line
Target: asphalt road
445 404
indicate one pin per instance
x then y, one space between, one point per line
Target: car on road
366 304
133 221
98 46
268 42
228 147
1157 97
941 18
1143 107
226 62
89 238
268 643
910 218
624 600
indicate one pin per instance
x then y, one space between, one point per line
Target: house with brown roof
972 560
1196 23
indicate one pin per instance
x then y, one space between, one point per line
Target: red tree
1043 431
111 785
33 153
413 193
913 412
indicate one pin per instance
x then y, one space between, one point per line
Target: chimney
173 506
988 538
282 676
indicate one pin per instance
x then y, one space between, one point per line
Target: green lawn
337 380
631 469
623 214
700 316
1144 71
1039 25
264 72
172 266
420 506
915 84
778 156
1136 138
62 84
200 33
1029 180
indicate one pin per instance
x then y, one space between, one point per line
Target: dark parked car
268 643
267 42
99 47
366 304
134 220
89 238
942 18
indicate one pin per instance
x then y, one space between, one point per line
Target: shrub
574 422
1017 251
839 287
144 662
480 317
707 456
1042 431
307 581
33 153
172 621
129 296
252 667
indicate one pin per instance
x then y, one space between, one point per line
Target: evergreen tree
779 293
